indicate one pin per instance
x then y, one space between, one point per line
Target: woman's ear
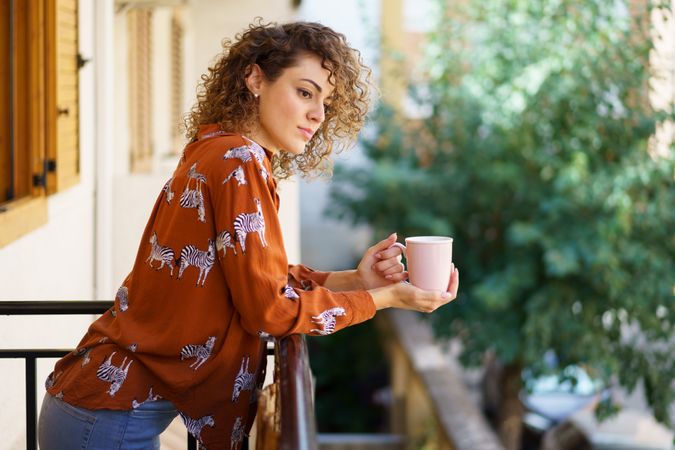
255 79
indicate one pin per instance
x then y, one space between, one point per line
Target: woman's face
292 107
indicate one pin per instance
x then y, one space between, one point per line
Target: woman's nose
317 113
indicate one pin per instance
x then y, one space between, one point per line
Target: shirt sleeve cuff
302 273
361 304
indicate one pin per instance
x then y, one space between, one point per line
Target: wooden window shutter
6 185
23 116
63 149
27 103
140 92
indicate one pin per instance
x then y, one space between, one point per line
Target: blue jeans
62 426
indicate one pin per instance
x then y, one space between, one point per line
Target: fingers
453 284
384 244
390 252
401 276
388 267
429 301
423 301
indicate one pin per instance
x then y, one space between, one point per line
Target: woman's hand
381 265
407 296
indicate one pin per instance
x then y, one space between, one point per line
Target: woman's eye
304 93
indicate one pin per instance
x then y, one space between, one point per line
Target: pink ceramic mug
429 261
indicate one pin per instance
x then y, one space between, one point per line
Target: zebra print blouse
210 283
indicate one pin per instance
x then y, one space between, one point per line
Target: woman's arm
344 280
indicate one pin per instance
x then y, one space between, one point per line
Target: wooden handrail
298 425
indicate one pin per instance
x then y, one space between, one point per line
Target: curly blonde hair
223 97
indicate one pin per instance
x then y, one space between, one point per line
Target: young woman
211 281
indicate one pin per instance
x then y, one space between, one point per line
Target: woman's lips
306 132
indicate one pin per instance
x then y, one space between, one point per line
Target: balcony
430 401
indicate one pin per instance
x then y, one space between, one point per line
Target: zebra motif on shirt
327 320
265 336
115 375
84 352
51 380
212 134
237 436
167 191
238 174
194 175
80 351
290 293
245 154
246 223
123 297
194 426
244 381
224 241
202 259
200 352
160 253
151 398
193 198
259 154
132 348
86 358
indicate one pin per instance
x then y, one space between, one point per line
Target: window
39 149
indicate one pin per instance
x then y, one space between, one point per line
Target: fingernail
392 235
388 277
445 295
378 255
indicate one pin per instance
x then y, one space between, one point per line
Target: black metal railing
298 424
30 356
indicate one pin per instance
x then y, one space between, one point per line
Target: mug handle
401 246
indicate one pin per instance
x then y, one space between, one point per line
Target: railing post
31 404
298 425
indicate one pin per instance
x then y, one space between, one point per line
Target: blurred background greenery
534 147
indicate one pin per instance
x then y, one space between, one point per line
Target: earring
256 95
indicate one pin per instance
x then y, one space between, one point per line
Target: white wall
54 262
358 20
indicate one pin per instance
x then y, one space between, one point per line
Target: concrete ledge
460 422
347 441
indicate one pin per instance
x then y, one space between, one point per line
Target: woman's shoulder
212 135
225 154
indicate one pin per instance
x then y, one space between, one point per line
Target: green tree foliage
350 368
538 157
